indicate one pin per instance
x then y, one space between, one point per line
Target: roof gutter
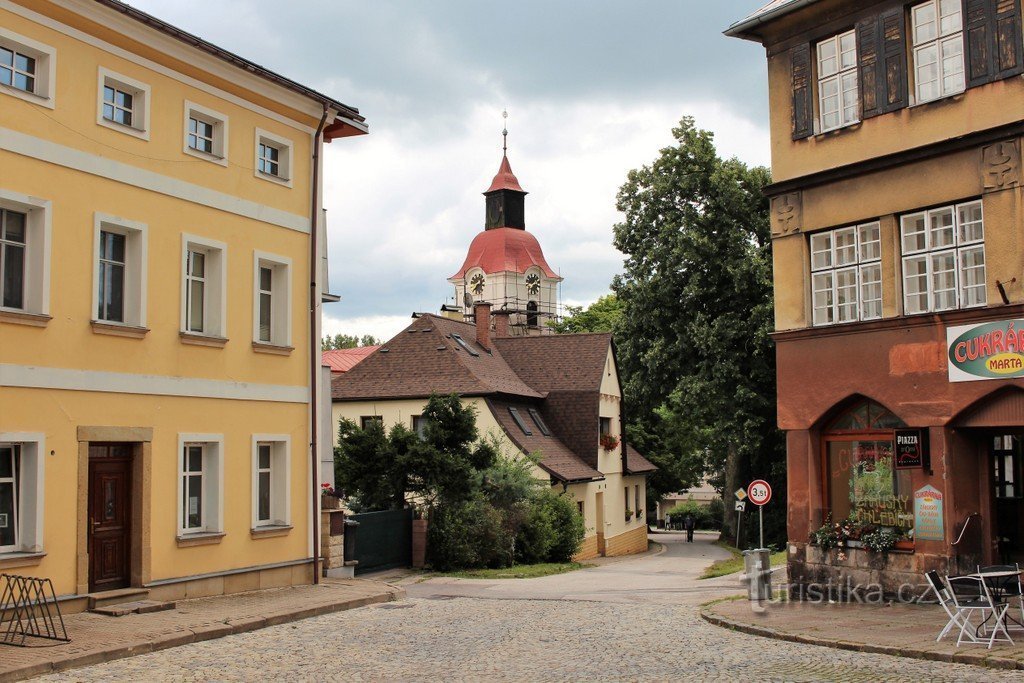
744 28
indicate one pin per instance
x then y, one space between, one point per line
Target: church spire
505 203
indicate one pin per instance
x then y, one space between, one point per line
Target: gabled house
557 396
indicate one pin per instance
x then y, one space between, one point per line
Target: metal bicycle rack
29 609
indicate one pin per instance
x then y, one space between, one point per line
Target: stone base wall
633 541
588 550
899 573
332 548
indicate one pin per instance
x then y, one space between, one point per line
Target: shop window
862 482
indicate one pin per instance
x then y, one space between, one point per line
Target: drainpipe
314 347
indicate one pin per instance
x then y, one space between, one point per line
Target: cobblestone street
631 620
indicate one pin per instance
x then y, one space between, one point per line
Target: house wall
60 374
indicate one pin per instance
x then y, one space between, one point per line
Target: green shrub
569 527
704 516
536 533
468 535
716 511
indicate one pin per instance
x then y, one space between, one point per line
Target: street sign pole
760 522
760 492
739 526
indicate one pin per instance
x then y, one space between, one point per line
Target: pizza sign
911 448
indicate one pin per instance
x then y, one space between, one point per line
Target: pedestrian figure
689 523
668 522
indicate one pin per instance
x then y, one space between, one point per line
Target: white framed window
838 93
204 286
271 480
123 104
273 158
846 274
206 133
943 258
21 492
419 426
271 299
119 271
24 253
200 484
938 46
27 69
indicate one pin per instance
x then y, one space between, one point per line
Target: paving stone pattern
635 620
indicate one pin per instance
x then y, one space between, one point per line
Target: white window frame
941 39
831 269
136 268
840 76
281 315
215 303
141 104
957 247
45 91
38 212
218 121
213 483
285 149
280 480
30 491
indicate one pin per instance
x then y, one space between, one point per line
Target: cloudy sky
592 88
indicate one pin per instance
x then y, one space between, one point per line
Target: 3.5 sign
759 491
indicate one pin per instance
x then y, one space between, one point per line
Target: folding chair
971 594
946 599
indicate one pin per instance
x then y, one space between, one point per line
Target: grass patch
519 571
735 563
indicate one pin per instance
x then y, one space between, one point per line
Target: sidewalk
904 630
96 638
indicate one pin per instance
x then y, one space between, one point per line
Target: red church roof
343 360
504 249
505 180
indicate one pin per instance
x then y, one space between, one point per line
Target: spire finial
504 133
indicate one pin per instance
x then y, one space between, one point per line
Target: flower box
329 502
608 442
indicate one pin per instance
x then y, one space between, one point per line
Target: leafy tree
601 316
698 363
348 341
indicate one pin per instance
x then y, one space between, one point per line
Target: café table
998 583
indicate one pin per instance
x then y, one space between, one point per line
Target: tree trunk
732 482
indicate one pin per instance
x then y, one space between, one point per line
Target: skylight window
519 421
463 344
539 422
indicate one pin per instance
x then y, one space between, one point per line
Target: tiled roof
504 249
556 458
636 463
424 358
775 8
505 179
558 362
343 360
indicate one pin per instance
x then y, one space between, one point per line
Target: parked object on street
29 609
757 572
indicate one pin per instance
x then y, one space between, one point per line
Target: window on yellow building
938 47
943 258
12 258
21 493
273 158
272 300
10 460
206 133
838 100
24 253
200 489
203 287
123 104
846 274
270 481
27 68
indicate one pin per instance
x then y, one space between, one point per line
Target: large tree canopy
696 292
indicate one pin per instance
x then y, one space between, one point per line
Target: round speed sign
759 491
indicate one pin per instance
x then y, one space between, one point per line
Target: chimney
501 323
482 314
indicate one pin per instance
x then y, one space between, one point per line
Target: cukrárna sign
986 351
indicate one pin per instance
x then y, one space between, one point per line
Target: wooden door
599 522
110 523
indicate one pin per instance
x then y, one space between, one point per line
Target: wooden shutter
892 73
1009 41
979 30
800 81
993 42
867 66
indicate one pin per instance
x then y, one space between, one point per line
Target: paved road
634 619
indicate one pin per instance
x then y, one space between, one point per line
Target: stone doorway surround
142 476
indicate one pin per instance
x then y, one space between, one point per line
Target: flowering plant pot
608 442
328 502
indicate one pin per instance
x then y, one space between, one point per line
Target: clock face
476 284
533 283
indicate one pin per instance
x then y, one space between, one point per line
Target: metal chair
970 595
947 601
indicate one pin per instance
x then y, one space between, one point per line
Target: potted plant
629 514
329 499
881 540
608 441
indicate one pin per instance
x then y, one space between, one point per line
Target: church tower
505 265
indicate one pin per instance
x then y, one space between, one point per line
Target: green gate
383 540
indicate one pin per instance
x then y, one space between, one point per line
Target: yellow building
897 216
160 202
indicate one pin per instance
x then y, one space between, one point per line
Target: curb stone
972 659
194 635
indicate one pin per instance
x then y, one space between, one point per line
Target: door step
134 607
114 597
